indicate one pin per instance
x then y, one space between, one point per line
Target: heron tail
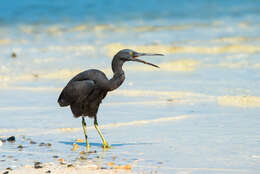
62 102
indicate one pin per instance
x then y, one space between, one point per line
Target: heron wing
76 92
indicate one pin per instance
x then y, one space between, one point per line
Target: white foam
239 101
172 49
134 123
160 120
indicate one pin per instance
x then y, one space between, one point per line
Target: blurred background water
42 12
198 113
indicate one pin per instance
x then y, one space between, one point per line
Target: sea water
198 113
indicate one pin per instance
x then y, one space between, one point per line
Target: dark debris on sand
13 55
32 142
45 144
20 147
70 165
11 139
37 165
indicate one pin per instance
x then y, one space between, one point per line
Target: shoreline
52 167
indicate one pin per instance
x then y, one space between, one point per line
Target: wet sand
198 113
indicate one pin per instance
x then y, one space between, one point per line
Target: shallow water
198 113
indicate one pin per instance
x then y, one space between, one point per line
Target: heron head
130 55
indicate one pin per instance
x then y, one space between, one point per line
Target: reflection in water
100 144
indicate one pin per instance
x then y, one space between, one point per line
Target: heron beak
135 54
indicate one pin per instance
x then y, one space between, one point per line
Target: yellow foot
106 145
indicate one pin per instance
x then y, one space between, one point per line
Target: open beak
135 54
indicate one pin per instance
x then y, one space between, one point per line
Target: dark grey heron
85 91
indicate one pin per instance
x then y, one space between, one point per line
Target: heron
85 91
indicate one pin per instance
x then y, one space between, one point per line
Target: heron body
86 90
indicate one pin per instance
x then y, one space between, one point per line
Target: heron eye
131 54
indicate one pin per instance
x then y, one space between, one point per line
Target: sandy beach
73 169
199 113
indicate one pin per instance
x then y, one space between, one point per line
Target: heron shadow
100 144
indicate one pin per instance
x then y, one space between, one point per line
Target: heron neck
119 75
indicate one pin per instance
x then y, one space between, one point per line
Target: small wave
33 89
60 74
13 130
239 64
195 170
10 41
85 27
32 131
234 40
133 123
182 65
5 41
160 94
17 108
168 49
239 101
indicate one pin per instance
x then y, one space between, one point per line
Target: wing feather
76 91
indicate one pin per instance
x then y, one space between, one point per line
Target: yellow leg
84 125
105 144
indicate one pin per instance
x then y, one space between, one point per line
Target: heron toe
106 145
